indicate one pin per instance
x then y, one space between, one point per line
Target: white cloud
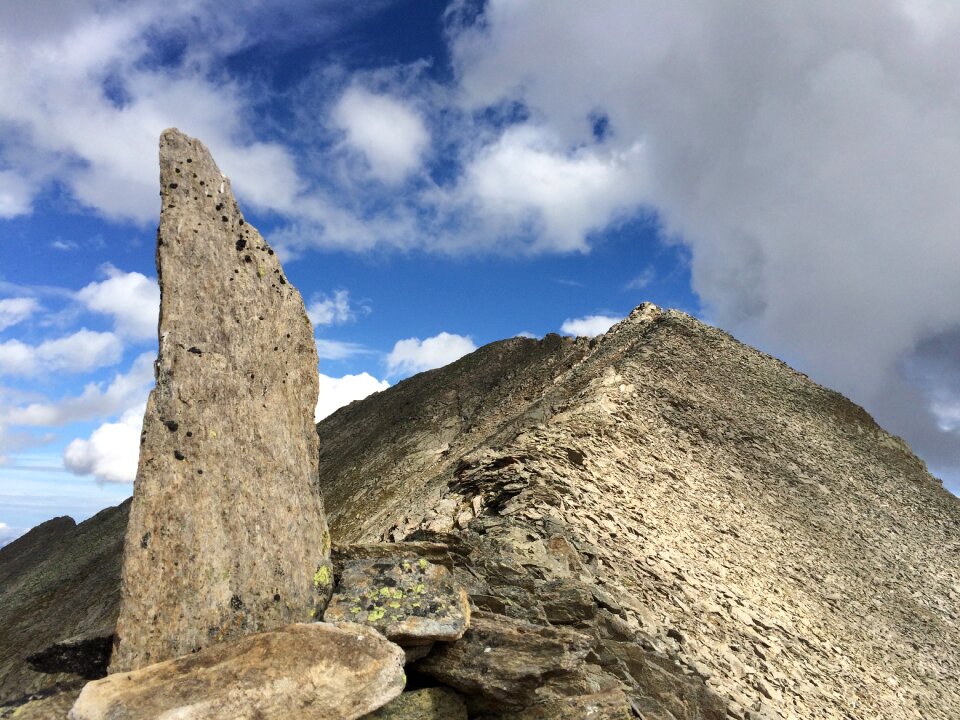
8 534
15 194
15 310
331 310
338 349
337 392
124 390
948 415
111 452
816 190
414 355
529 181
86 108
589 326
642 280
82 351
132 299
391 136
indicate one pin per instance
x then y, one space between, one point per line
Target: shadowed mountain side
398 446
59 581
771 534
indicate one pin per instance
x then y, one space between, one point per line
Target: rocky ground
762 529
659 523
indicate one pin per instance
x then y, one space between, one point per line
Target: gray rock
304 671
227 534
502 662
427 704
411 601
436 553
610 704
567 602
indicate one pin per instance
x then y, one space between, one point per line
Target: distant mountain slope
773 535
59 581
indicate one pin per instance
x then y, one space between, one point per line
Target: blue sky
439 175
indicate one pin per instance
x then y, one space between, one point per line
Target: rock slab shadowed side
305 671
227 533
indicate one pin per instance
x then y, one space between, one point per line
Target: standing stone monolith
227 533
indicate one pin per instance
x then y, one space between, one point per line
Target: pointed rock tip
177 145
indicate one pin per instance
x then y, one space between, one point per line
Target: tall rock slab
227 533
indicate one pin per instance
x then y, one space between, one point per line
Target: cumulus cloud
332 309
337 392
82 351
815 189
15 310
126 389
414 355
111 452
530 182
132 299
85 100
390 135
15 194
589 326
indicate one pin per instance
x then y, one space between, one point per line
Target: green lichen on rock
323 586
412 603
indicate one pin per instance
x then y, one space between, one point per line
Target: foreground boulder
227 534
301 671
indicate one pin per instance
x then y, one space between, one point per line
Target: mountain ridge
759 535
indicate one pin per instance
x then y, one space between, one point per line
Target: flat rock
502 661
227 533
410 600
301 671
428 704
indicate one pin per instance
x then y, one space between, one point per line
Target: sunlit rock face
227 529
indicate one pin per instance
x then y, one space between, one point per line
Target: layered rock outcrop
227 534
730 514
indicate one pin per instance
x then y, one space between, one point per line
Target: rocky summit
658 523
227 534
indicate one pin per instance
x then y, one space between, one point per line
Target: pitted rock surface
411 600
227 533
312 671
